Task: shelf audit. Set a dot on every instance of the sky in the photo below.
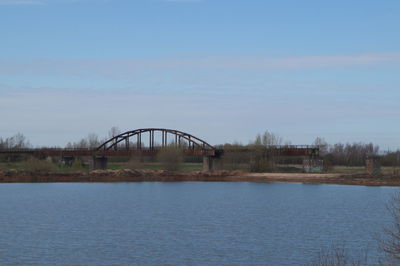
(222, 70)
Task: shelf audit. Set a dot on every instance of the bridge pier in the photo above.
(99, 163)
(211, 163)
(67, 160)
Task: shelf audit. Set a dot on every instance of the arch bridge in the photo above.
(148, 141)
(134, 142)
(145, 140)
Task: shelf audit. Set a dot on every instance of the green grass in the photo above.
(157, 166)
(237, 166)
(115, 166)
(10, 166)
(289, 169)
(66, 169)
(348, 169)
(21, 166)
(192, 167)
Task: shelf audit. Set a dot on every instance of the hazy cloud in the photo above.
(130, 67)
(21, 2)
(54, 117)
(183, 1)
(41, 2)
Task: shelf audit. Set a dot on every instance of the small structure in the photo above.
(373, 164)
(313, 165)
(99, 163)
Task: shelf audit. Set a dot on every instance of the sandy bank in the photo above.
(127, 175)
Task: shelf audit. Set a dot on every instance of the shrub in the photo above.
(235, 159)
(259, 164)
(261, 160)
(77, 164)
(134, 163)
(171, 157)
(40, 166)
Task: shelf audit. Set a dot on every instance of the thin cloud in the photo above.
(183, 1)
(22, 2)
(42, 2)
(131, 66)
(57, 127)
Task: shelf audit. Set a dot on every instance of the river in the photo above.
(186, 223)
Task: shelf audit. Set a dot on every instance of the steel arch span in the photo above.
(179, 138)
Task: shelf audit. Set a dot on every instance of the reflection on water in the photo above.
(185, 223)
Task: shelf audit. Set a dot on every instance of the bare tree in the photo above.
(82, 144)
(114, 131)
(69, 145)
(322, 144)
(93, 141)
(271, 139)
(390, 244)
(268, 139)
(18, 141)
(258, 140)
(337, 255)
(261, 160)
(90, 142)
(350, 154)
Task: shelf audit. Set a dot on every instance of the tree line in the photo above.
(18, 141)
(346, 154)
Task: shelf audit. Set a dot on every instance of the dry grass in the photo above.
(39, 166)
(171, 158)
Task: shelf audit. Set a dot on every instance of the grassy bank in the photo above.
(144, 175)
(44, 166)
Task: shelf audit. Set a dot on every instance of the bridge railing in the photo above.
(59, 152)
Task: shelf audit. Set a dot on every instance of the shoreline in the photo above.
(110, 176)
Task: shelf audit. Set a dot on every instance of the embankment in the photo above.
(127, 175)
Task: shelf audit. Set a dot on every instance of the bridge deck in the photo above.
(49, 152)
(89, 152)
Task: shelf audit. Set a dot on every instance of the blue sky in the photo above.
(222, 70)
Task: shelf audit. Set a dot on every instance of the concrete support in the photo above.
(99, 163)
(211, 163)
(373, 165)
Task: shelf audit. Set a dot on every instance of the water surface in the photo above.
(185, 223)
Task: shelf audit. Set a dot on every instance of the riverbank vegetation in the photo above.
(253, 157)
